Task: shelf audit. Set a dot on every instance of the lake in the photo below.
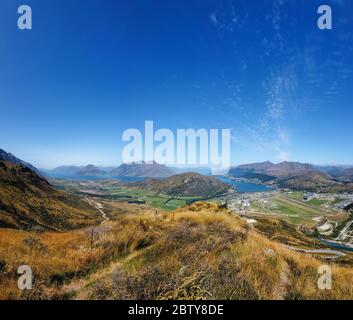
(246, 186)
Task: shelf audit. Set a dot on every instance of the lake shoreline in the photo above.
(246, 186)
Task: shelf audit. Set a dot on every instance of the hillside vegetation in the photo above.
(28, 201)
(185, 184)
(313, 181)
(197, 252)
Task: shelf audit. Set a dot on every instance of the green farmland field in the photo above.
(159, 201)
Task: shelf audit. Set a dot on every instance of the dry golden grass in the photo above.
(29, 202)
(197, 252)
(54, 257)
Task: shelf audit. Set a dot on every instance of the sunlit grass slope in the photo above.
(197, 252)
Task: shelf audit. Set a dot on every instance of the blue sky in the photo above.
(90, 69)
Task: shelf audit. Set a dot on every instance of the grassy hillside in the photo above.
(28, 201)
(185, 184)
(313, 181)
(196, 252)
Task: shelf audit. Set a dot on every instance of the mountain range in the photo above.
(286, 174)
(296, 175)
(132, 170)
(263, 171)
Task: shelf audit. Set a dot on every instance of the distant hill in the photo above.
(311, 181)
(252, 171)
(142, 170)
(286, 168)
(77, 172)
(341, 173)
(282, 169)
(28, 201)
(66, 170)
(206, 171)
(133, 170)
(91, 171)
(106, 169)
(257, 167)
(348, 175)
(186, 184)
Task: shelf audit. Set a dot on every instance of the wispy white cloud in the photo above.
(299, 76)
(213, 19)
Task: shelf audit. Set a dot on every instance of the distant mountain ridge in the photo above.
(296, 175)
(342, 173)
(91, 171)
(143, 170)
(6, 156)
(131, 170)
(281, 169)
(66, 170)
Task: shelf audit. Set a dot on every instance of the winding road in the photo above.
(99, 207)
(334, 253)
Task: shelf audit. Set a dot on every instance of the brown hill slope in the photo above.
(314, 181)
(7, 156)
(186, 184)
(28, 200)
(347, 175)
(311, 180)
